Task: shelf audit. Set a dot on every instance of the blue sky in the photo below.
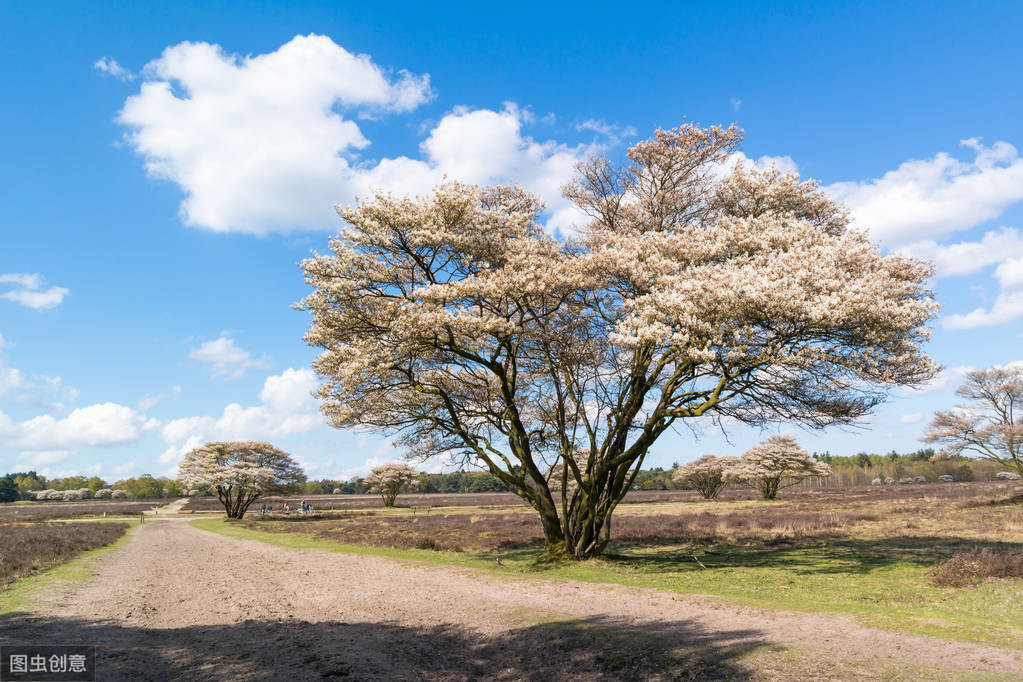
(165, 168)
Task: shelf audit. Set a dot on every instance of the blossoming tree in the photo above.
(991, 425)
(776, 463)
(239, 472)
(457, 323)
(391, 479)
(707, 475)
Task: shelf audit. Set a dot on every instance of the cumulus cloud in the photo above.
(968, 257)
(99, 425)
(931, 199)
(1007, 307)
(261, 143)
(110, 67)
(28, 291)
(286, 407)
(226, 359)
(270, 143)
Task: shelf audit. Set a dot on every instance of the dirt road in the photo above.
(177, 602)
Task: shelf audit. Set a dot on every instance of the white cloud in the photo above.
(910, 418)
(965, 258)
(110, 67)
(1010, 273)
(265, 144)
(931, 199)
(260, 144)
(1007, 307)
(29, 292)
(614, 133)
(226, 359)
(286, 407)
(99, 425)
(736, 103)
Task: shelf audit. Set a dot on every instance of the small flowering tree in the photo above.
(707, 475)
(456, 322)
(990, 426)
(239, 472)
(391, 479)
(776, 463)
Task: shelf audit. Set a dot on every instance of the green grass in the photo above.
(881, 582)
(20, 594)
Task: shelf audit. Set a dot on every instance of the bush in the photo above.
(118, 494)
(905, 481)
(970, 568)
(919, 479)
(55, 494)
(877, 481)
(103, 494)
(947, 478)
(1007, 476)
(71, 495)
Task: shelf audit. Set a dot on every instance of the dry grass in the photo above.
(27, 548)
(657, 519)
(975, 566)
(42, 511)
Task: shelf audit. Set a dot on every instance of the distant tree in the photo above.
(706, 475)
(990, 424)
(457, 322)
(239, 472)
(8, 490)
(391, 479)
(776, 463)
(863, 460)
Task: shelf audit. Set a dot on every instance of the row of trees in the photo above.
(25, 485)
(776, 463)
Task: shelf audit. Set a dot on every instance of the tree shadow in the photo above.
(811, 556)
(587, 649)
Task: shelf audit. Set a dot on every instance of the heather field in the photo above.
(29, 548)
(43, 511)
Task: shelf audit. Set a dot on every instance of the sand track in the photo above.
(178, 602)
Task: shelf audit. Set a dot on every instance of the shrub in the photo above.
(1007, 476)
(71, 495)
(55, 494)
(336, 491)
(947, 478)
(969, 568)
(103, 494)
(919, 479)
(877, 481)
(905, 481)
(118, 494)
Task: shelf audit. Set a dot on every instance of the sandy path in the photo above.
(178, 602)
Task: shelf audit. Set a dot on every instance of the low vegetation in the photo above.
(977, 565)
(32, 511)
(28, 548)
(872, 552)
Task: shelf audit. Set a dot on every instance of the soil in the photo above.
(176, 602)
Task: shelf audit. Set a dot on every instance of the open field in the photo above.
(42, 511)
(29, 548)
(163, 605)
(867, 552)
